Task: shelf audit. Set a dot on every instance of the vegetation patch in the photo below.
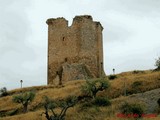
(101, 101)
(3, 92)
(112, 77)
(157, 64)
(138, 71)
(13, 112)
(24, 99)
(50, 105)
(135, 108)
(92, 87)
(86, 107)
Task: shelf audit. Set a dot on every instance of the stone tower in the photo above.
(74, 52)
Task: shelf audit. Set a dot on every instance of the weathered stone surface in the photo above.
(75, 71)
(74, 50)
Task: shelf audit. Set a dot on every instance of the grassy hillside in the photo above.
(135, 82)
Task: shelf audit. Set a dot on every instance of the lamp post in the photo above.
(21, 81)
(113, 71)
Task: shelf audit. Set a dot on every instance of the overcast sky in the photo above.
(131, 35)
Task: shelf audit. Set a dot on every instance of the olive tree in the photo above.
(50, 106)
(92, 87)
(24, 99)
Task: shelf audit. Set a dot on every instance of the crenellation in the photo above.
(59, 22)
(82, 18)
(99, 24)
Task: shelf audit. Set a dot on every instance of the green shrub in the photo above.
(132, 108)
(85, 105)
(157, 64)
(102, 101)
(3, 92)
(112, 77)
(136, 84)
(137, 71)
(13, 112)
(136, 87)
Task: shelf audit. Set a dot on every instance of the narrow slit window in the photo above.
(63, 38)
(65, 59)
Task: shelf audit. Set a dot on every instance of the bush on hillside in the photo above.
(102, 101)
(136, 87)
(157, 64)
(112, 77)
(137, 71)
(137, 109)
(85, 105)
(3, 92)
(13, 112)
(136, 84)
(94, 103)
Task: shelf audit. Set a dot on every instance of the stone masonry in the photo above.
(74, 52)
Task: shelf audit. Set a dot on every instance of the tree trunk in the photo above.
(25, 105)
(94, 94)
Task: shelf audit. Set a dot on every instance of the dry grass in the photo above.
(59, 92)
(28, 116)
(150, 80)
(101, 113)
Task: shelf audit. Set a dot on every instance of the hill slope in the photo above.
(136, 82)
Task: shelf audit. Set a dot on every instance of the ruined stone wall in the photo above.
(77, 49)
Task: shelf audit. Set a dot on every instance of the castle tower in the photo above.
(74, 52)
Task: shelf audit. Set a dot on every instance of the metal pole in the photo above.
(113, 71)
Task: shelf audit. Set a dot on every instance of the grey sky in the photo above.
(131, 35)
